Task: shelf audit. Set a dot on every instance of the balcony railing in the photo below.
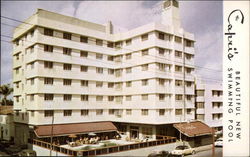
(100, 151)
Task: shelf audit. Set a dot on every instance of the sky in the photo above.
(202, 18)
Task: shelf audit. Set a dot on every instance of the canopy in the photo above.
(192, 129)
(74, 128)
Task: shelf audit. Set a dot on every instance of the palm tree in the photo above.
(5, 90)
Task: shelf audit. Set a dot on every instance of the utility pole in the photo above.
(51, 137)
(213, 149)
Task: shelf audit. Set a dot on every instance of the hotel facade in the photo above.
(209, 104)
(69, 71)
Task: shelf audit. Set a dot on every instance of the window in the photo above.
(200, 92)
(111, 111)
(84, 68)
(67, 112)
(32, 32)
(144, 96)
(177, 39)
(99, 56)
(128, 42)
(162, 112)
(17, 70)
(67, 97)
(32, 64)
(178, 97)
(129, 111)
(200, 116)
(188, 70)
(67, 51)
(48, 97)
(144, 37)
(67, 36)
(110, 58)
(128, 84)
(31, 49)
(217, 104)
(111, 98)
(99, 70)
(99, 84)
(99, 42)
(178, 83)
(48, 64)
(111, 71)
(200, 105)
(161, 36)
(178, 112)
(67, 82)
(32, 113)
(32, 81)
(110, 85)
(48, 113)
(217, 93)
(162, 67)
(161, 51)
(17, 85)
(147, 131)
(144, 67)
(84, 83)
(110, 44)
(188, 56)
(161, 82)
(189, 97)
(144, 82)
(48, 81)
(83, 54)
(48, 48)
(128, 98)
(84, 112)
(161, 96)
(189, 111)
(17, 99)
(144, 112)
(178, 68)
(188, 43)
(144, 52)
(67, 66)
(128, 70)
(84, 39)
(84, 98)
(17, 56)
(48, 32)
(128, 56)
(32, 97)
(188, 83)
(178, 54)
(99, 112)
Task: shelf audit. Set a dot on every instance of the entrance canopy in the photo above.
(75, 128)
(192, 129)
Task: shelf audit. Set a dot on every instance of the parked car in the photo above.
(27, 152)
(183, 150)
(12, 150)
(159, 153)
(218, 142)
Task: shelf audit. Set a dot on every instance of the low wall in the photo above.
(144, 151)
(40, 151)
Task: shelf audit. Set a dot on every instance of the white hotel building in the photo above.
(70, 71)
(209, 104)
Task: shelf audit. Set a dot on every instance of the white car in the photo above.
(218, 142)
(183, 150)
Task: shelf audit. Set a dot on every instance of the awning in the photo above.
(192, 129)
(75, 128)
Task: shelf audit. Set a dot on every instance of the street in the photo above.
(208, 153)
